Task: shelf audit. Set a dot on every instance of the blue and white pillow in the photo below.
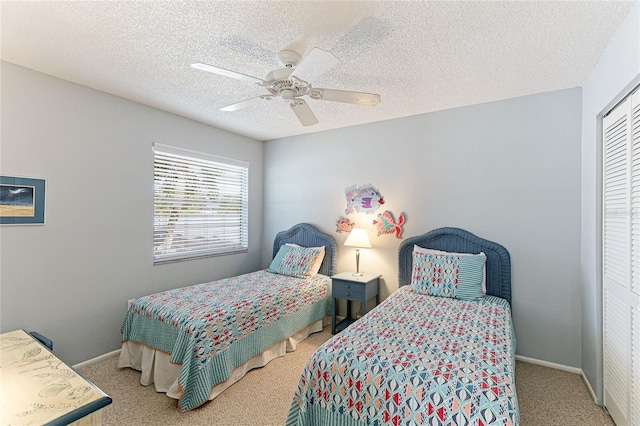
(317, 263)
(448, 275)
(277, 260)
(294, 261)
(418, 249)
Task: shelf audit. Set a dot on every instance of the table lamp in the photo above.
(358, 238)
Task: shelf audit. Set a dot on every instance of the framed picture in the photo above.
(21, 201)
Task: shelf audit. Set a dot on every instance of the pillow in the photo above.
(317, 263)
(277, 260)
(419, 249)
(448, 275)
(296, 262)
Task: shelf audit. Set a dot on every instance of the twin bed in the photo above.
(439, 351)
(196, 341)
(432, 353)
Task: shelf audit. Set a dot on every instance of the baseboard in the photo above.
(574, 370)
(589, 388)
(97, 359)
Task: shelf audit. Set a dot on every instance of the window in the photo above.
(200, 204)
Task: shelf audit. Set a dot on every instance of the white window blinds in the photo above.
(200, 204)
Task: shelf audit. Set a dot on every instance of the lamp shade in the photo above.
(358, 238)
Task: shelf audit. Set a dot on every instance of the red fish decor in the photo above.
(364, 199)
(344, 225)
(386, 224)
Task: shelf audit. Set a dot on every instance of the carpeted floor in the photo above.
(546, 396)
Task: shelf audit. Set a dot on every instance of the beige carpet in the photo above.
(262, 397)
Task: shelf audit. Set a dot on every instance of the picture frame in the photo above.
(21, 201)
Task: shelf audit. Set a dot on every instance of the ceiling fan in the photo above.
(294, 81)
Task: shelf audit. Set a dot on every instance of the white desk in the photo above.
(37, 388)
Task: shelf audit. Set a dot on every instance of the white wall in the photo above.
(617, 71)
(507, 171)
(70, 279)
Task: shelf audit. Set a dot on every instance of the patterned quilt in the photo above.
(415, 360)
(209, 329)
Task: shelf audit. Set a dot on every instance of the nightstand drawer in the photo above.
(347, 290)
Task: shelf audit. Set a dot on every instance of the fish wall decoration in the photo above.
(344, 224)
(364, 199)
(386, 224)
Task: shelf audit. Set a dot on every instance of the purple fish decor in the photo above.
(344, 224)
(386, 224)
(364, 199)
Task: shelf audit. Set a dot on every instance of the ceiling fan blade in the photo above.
(316, 63)
(244, 104)
(304, 113)
(227, 73)
(358, 98)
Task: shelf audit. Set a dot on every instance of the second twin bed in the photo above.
(438, 351)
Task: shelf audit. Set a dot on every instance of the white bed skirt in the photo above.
(158, 370)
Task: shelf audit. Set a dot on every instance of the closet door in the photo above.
(634, 294)
(621, 261)
(616, 240)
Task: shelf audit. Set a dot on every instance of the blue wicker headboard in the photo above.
(460, 241)
(307, 235)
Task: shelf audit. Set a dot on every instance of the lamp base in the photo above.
(357, 273)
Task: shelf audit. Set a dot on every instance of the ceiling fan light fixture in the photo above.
(288, 94)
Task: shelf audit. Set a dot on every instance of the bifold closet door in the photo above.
(634, 293)
(621, 261)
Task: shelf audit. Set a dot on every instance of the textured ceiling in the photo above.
(419, 56)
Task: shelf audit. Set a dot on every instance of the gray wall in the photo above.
(70, 279)
(617, 71)
(507, 171)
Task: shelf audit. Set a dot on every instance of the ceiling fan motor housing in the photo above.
(281, 84)
(281, 74)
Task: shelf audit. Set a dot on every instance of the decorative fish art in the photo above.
(386, 224)
(344, 225)
(365, 199)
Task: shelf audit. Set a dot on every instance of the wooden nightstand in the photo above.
(353, 288)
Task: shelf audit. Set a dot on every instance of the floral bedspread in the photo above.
(212, 328)
(415, 360)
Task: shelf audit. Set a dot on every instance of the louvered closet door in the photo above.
(621, 261)
(616, 256)
(634, 294)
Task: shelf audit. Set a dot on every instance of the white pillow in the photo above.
(418, 249)
(317, 263)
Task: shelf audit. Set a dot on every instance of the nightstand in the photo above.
(353, 288)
